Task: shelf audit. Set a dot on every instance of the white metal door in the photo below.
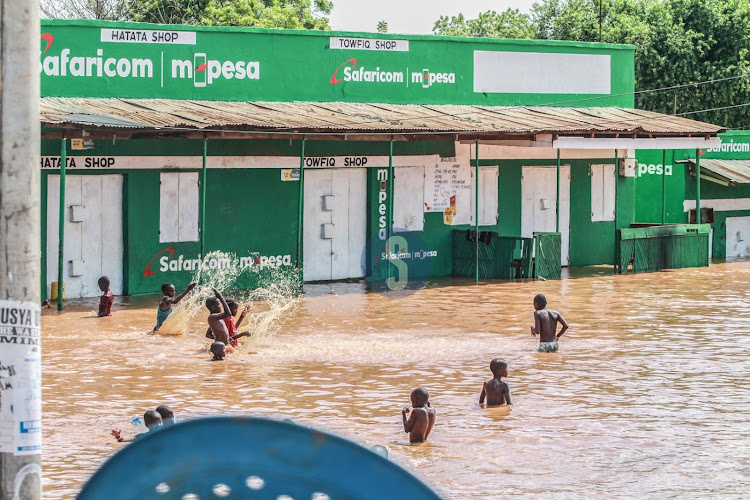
(538, 210)
(93, 233)
(738, 237)
(335, 223)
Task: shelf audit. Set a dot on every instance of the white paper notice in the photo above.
(20, 378)
(448, 186)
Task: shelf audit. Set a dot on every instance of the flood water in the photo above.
(648, 396)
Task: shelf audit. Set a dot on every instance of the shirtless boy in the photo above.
(494, 389)
(422, 416)
(219, 310)
(545, 325)
(231, 325)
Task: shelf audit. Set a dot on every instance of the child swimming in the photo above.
(219, 350)
(151, 418)
(167, 301)
(422, 418)
(545, 325)
(495, 389)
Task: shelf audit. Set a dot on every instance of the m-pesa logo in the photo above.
(204, 71)
(349, 72)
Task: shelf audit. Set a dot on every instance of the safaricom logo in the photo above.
(91, 66)
(348, 72)
(204, 71)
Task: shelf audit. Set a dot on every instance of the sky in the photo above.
(411, 16)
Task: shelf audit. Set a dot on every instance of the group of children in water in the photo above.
(223, 330)
(495, 391)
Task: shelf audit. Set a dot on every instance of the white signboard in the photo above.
(20, 378)
(91, 163)
(148, 36)
(448, 186)
(348, 43)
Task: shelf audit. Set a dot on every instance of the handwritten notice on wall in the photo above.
(447, 187)
(20, 378)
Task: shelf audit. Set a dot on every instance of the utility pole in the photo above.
(20, 356)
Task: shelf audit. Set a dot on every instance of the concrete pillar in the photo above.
(20, 366)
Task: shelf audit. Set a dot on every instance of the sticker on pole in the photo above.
(20, 378)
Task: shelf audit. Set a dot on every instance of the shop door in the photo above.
(93, 244)
(335, 223)
(539, 193)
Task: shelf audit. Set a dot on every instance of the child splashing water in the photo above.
(274, 298)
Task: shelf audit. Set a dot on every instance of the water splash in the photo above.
(274, 297)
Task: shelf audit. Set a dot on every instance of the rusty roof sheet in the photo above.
(732, 171)
(343, 117)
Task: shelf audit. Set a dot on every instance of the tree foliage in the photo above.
(509, 24)
(290, 14)
(113, 10)
(676, 42)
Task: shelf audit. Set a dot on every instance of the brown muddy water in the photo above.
(647, 398)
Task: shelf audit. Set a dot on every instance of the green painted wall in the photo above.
(81, 59)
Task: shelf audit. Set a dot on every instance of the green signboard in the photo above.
(104, 59)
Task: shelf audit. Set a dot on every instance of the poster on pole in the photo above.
(20, 378)
(447, 189)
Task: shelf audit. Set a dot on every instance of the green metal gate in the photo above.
(500, 257)
(548, 255)
(672, 246)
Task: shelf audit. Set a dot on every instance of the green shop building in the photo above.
(721, 195)
(345, 155)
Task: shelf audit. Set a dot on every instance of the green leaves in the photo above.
(676, 42)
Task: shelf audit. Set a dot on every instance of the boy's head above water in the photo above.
(166, 413)
(540, 302)
(213, 305)
(233, 307)
(152, 418)
(419, 397)
(219, 350)
(168, 289)
(498, 367)
(103, 283)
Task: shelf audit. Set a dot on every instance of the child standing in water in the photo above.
(105, 303)
(422, 416)
(219, 310)
(151, 418)
(495, 389)
(545, 325)
(165, 306)
(231, 326)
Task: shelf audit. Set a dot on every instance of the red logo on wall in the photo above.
(334, 78)
(47, 37)
(148, 272)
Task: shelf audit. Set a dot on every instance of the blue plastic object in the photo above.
(249, 458)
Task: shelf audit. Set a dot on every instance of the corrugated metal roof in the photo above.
(338, 117)
(734, 171)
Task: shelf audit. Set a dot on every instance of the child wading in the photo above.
(545, 325)
(494, 389)
(422, 416)
(105, 303)
(231, 325)
(165, 306)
